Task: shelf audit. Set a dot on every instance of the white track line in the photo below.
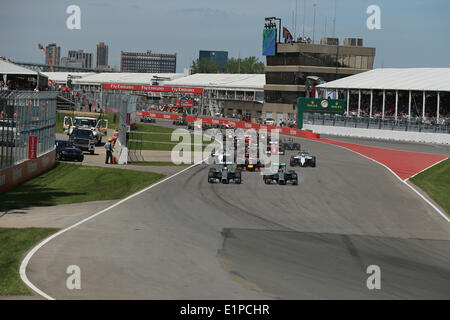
(443, 214)
(26, 260)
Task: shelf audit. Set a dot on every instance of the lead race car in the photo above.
(282, 177)
(224, 175)
(303, 159)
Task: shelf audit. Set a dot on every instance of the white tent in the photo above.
(11, 68)
(409, 79)
(222, 81)
(416, 79)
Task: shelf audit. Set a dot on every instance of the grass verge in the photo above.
(13, 245)
(146, 127)
(436, 183)
(69, 183)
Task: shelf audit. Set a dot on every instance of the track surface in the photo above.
(187, 239)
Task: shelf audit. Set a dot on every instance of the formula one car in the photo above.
(147, 119)
(282, 177)
(274, 147)
(224, 175)
(222, 156)
(180, 122)
(289, 144)
(303, 159)
(252, 165)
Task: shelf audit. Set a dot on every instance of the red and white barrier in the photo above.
(238, 124)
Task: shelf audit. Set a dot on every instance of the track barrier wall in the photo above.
(13, 176)
(239, 124)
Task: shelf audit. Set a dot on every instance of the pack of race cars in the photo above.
(226, 172)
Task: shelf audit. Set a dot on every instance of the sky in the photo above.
(414, 33)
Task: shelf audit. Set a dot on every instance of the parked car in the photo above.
(66, 150)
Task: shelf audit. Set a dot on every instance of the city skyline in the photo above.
(234, 26)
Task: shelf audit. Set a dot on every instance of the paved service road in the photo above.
(188, 239)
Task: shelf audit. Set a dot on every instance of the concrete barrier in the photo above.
(120, 152)
(407, 136)
(15, 175)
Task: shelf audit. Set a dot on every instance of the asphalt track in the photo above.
(187, 239)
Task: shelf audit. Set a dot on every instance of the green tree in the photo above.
(205, 66)
(247, 65)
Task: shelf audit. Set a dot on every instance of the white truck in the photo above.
(99, 127)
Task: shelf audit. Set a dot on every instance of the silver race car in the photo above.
(303, 159)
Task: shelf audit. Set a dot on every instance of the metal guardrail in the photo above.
(24, 114)
(388, 123)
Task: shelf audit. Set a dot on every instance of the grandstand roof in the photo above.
(222, 80)
(62, 76)
(126, 78)
(416, 79)
(11, 68)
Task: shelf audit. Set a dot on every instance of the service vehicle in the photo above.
(66, 150)
(99, 127)
(83, 139)
(303, 159)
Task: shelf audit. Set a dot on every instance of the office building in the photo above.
(290, 70)
(148, 62)
(85, 57)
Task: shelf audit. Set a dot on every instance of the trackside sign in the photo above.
(313, 105)
(139, 87)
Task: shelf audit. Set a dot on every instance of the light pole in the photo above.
(314, 21)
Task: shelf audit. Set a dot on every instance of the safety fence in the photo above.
(27, 125)
(388, 123)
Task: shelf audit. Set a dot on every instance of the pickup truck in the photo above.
(83, 139)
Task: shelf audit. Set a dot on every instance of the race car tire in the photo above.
(266, 181)
(313, 162)
(238, 181)
(281, 182)
(295, 182)
(91, 152)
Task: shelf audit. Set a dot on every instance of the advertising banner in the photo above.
(139, 87)
(314, 105)
(32, 147)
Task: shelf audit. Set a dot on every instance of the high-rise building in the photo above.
(219, 57)
(102, 55)
(148, 62)
(54, 54)
(84, 56)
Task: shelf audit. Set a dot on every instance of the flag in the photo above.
(287, 35)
